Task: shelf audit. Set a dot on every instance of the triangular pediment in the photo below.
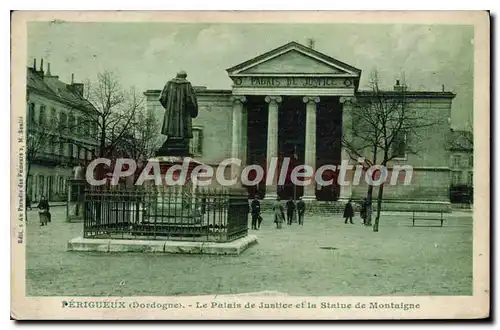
(293, 62)
(293, 59)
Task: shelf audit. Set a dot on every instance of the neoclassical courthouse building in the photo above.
(296, 102)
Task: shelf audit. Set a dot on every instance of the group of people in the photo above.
(300, 207)
(349, 211)
(279, 212)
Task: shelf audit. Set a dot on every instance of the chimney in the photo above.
(72, 78)
(48, 75)
(77, 88)
(41, 67)
(34, 64)
(310, 43)
(398, 87)
(442, 88)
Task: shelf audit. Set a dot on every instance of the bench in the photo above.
(437, 217)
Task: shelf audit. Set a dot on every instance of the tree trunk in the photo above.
(102, 139)
(369, 194)
(379, 206)
(369, 197)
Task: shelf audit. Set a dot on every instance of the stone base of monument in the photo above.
(235, 247)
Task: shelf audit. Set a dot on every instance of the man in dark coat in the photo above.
(364, 209)
(348, 211)
(180, 103)
(255, 209)
(290, 210)
(301, 209)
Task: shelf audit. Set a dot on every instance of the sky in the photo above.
(146, 55)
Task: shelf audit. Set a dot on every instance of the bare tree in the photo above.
(109, 117)
(382, 125)
(115, 111)
(143, 137)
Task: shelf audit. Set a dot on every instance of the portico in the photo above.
(289, 103)
(297, 104)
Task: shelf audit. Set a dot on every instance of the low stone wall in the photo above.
(236, 247)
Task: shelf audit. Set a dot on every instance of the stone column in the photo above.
(310, 150)
(272, 145)
(244, 137)
(237, 146)
(346, 191)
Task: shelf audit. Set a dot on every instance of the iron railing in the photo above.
(165, 213)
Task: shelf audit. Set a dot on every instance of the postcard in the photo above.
(250, 165)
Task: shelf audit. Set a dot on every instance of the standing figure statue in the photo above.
(179, 100)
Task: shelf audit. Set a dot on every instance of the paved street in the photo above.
(324, 257)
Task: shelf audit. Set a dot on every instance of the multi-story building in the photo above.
(59, 137)
(461, 158)
(296, 102)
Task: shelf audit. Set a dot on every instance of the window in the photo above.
(471, 161)
(86, 130)
(196, 143)
(42, 120)
(30, 185)
(50, 187)
(53, 117)
(455, 161)
(79, 127)
(465, 162)
(471, 178)
(51, 144)
(71, 123)
(61, 185)
(455, 177)
(63, 121)
(399, 145)
(31, 114)
(41, 186)
(70, 150)
(61, 149)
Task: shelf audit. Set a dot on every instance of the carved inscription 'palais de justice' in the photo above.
(325, 82)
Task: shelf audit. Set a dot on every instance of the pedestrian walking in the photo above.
(301, 209)
(43, 211)
(290, 210)
(279, 213)
(364, 208)
(255, 209)
(349, 212)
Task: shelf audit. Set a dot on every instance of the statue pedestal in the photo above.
(174, 148)
(187, 206)
(177, 203)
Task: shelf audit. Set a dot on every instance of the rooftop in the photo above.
(461, 140)
(51, 86)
